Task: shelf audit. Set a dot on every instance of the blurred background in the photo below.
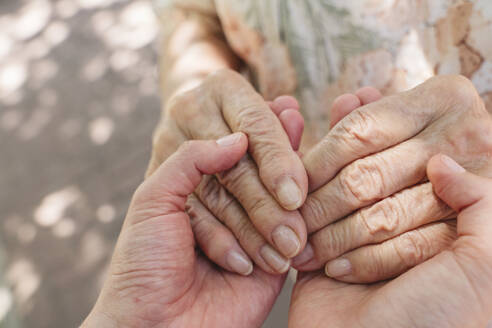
(78, 104)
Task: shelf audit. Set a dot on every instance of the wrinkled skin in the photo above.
(156, 279)
(241, 204)
(450, 290)
(370, 203)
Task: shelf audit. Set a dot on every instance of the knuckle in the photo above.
(183, 109)
(476, 131)
(459, 89)
(376, 266)
(412, 248)
(200, 227)
(314, 212)
(256, 121)
(226, 210)
(198, 220)
(372, 264)
(328, 244)
(245, 232)
(382, 219)
(259, 204)
(215, 197)
(177, 103)
(235, 178)
(364, 180)
(380, 265)
(359, 131)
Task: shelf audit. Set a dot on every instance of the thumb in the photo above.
(157, 220)
(165, 191)
(466, 193)
(470, 196)
(154, 257)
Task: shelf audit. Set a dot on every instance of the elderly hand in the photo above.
(156, 278)
(371, 213)
(452, 289)
(253, 205)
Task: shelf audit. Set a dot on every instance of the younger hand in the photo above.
(156, 278)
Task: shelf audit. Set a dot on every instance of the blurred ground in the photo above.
(78, 103)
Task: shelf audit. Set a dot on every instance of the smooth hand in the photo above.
(371, 213)
(156, 278)
(452, 289)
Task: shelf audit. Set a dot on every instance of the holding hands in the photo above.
(156, 279)
(251, 208)
(370, 214)
(450, 290)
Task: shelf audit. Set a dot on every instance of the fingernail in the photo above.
(286, 241)
(239, 263)
(276, 261)
(289, 194)
(338, 268)
(229, 140)
(304, 257)
(451, 164)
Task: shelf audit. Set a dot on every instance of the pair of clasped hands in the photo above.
(385, 230)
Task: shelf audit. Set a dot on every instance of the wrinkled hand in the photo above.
(452, 289)
(252, 207)
(371, 213)
(155, 278)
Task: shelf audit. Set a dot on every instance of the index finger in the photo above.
(280, 168)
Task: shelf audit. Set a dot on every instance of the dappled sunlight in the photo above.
(6, 45)
(42, 72)
(26, 233)
(56, 33)
(92, 250)
(100, 130)
(17, 226)
(122, 59)
(122, 105)
(134, 28)
(5, 302)
(78, 103)
(30, 36)
(70, 128)
(95, 68)
(11, 119)
(35, 124)
(36, 49)
(48, 98)
(22, 275)
(106, 213)
(66, 8)
(93, 4)
(54, 205)
(64, 228)
(31, 19)
(12, 77)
